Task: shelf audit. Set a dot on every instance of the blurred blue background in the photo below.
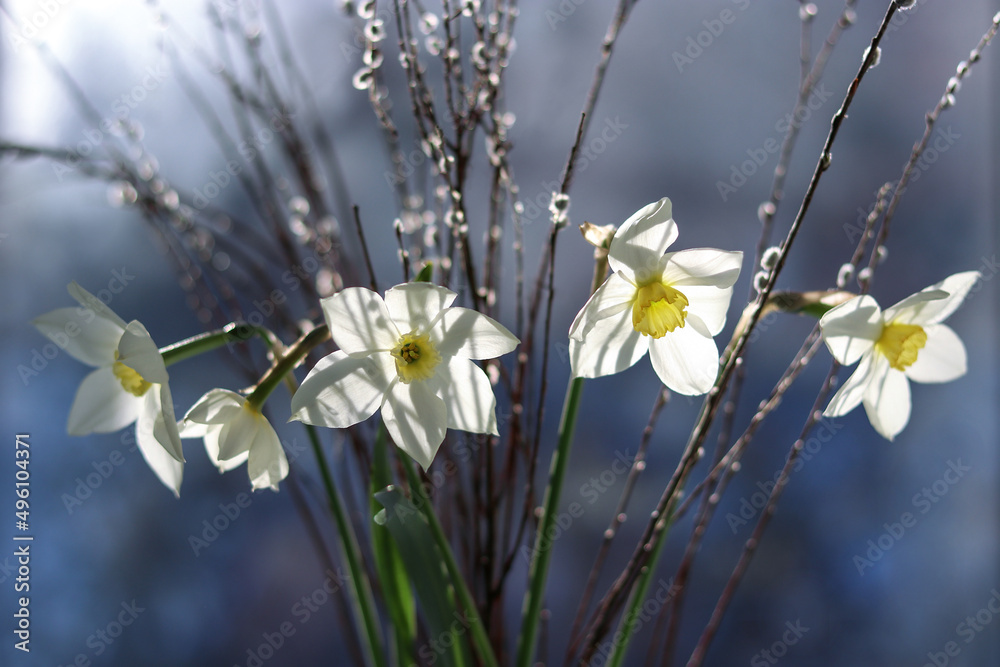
(676, 128)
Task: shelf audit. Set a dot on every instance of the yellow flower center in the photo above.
(416, 357)
(900, 344)
(658, 309)
(131, 381)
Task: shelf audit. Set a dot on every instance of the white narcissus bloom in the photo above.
(671, 305)
(409, 355)
(234, 432)
(905, 342)
(129, 385)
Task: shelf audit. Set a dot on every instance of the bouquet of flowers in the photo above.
(421, 357)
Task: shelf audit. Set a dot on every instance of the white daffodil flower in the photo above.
(905, 342)
(409, 355)
(234, 432)
(671, 305)
(129, 385)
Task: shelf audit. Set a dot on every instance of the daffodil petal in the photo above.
(359, 321)
(101, 405)
(267, 464)
(216, 407)
(468, 397)
(908, 310)
(167, 469)
(942, 359)
(851, 329)
(89, 339)
(211, 435)
(640, 242)
(416, 419)
(887, 401)
(413, 306)
(702, 266)
(611, 346)
(165, 423)
(237, 435)
(341, 391)
(159, 446)
(613, 297)
(686, 360)
(923, 311)
(137, 350)
(852, 391)
(188, 429)
(709, 304)
(150, 427)
(92, 303)
(467, 333)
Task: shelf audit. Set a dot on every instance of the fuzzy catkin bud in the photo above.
(770, 257)
(846, 273)
(760, 280)
(558, 207)
(765, 211)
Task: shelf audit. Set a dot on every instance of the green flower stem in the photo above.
(284, 364)
(361, 589)
(234, 332)
(538, 572)
(634, 606)
(480, 638)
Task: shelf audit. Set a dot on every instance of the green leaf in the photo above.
(362, 600)
(425, 566)
(396, 590)
(480, 639)
(425, 273)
